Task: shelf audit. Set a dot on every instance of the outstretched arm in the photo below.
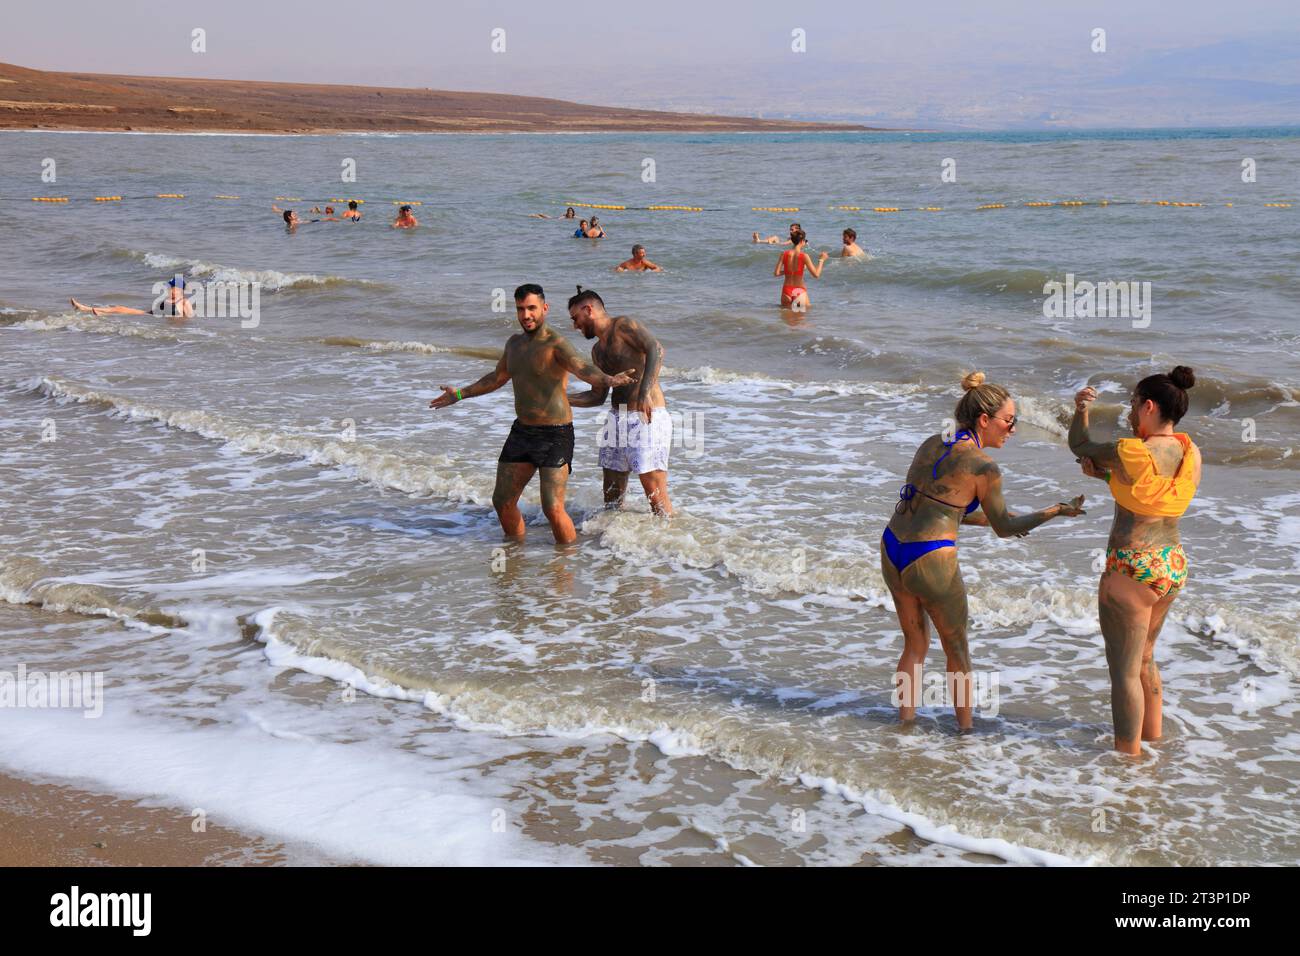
(488, 383)
(1105, 455)
(1003, 522)
(594, 397)
(816, 270)
(569, 360)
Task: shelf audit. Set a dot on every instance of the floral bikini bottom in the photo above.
(1161, 569)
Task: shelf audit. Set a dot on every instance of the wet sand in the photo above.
(47, 824)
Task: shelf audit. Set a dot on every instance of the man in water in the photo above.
(851, 248)
(405, 220)
(538, 361)
(638, 262)
(638, 432)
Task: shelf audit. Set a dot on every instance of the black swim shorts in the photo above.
(546, 446)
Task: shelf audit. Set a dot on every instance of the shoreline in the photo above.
(46, 822)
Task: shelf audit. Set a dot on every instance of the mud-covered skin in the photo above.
(932, 587)
(630, 346)
(1131, 613)
(626, 344)
(538, 361)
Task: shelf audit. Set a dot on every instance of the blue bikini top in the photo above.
(910, 491)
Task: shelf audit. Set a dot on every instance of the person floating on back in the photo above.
(537, 361)
(173, 305)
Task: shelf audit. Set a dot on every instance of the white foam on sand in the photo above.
(276, 773)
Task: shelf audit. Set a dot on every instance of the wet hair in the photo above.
(404, 209)
(329, 210)
(288, 215)
(853, 236)
(352, 204)
(527, 289)
(636, 247)
(585, 295)
(1168, 391)
(569, 213)
(797, 236)
(794, 226)
(981, 398)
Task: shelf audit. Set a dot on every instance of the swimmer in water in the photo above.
(173, 305)
(291, 220)
(851, 248)
(581, 231)
(352, 212)
(773, 240)
(638, 262)
(791, 265)
(537, 361)
(405, 220)
(595, 230)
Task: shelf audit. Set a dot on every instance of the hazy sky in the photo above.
(938, 63)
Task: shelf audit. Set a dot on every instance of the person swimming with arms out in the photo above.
(638, 262)
(537, 361)
(1153, 478)
(405, 219)
(947, 482)
(791, 264)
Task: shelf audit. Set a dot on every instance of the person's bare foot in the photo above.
(79, 307)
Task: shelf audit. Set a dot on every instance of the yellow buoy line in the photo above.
(666, 207)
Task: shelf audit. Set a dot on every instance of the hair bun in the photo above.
(1183, 377)
(973, 380)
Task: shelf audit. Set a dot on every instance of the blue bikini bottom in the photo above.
(902, 554)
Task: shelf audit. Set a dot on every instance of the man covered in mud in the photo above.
(538, 361)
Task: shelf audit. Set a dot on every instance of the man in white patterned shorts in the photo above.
(638, 432)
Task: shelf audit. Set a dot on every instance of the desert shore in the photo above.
(37, 99)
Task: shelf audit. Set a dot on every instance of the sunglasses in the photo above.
(1011, 422)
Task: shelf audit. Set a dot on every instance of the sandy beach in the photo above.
(47, 824)
(38, 99)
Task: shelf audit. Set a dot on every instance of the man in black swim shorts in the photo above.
(538, 361)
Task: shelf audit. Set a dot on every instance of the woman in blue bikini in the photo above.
(947, 482)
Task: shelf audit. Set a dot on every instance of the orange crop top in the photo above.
(1151, 494)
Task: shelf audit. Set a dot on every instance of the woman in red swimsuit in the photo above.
(791, 265)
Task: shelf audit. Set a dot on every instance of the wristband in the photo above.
(459, 396)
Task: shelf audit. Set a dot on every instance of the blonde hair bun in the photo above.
(973, 380)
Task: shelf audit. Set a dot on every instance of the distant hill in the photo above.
(37, 99)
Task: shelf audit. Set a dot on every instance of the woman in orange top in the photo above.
(1153, 478)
